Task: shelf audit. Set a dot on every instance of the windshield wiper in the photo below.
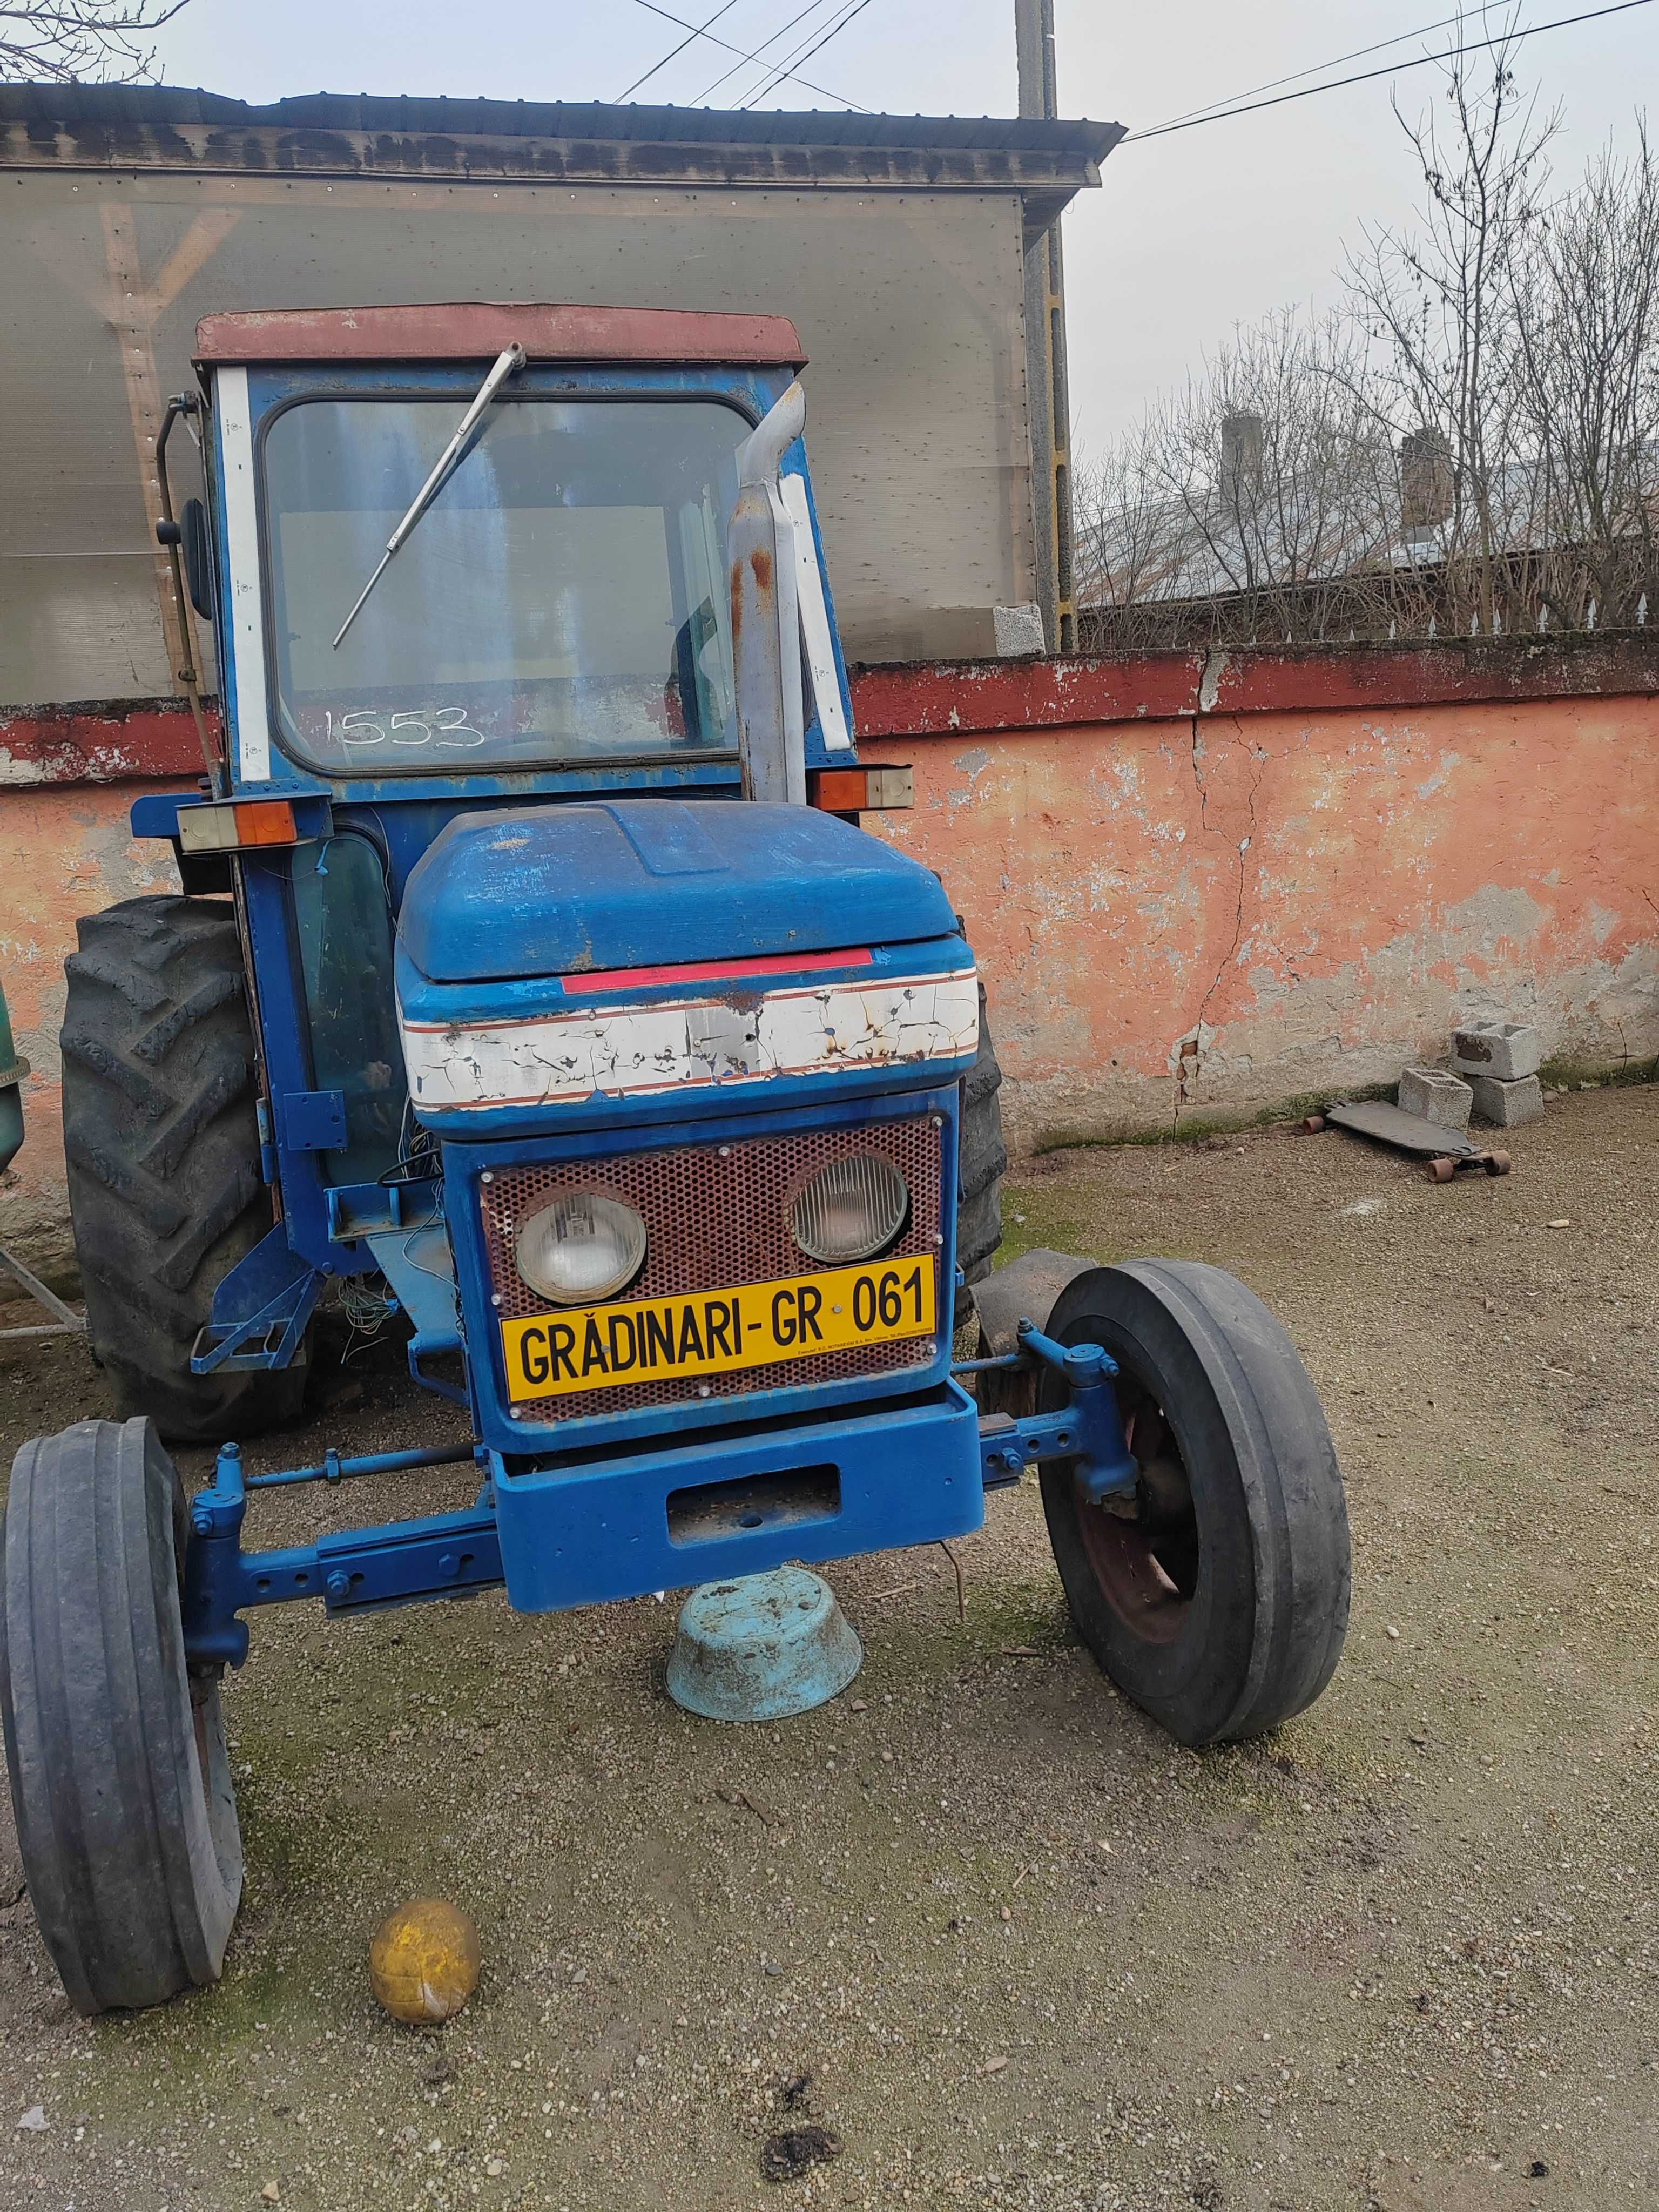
(507, 363)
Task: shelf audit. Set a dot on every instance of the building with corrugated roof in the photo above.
(897, 245)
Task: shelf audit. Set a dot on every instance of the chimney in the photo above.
(1428, 482)
(1241, 455)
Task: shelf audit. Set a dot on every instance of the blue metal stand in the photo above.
(453, 1554)
(1087, 1430)
(443, 1555)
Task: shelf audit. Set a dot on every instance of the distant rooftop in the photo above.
(161, 105)
(103, 126)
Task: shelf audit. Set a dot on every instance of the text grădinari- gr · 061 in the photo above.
(714, 1332)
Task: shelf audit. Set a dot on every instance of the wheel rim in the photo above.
(1147, 1567)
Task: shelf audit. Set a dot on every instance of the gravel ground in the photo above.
(979, 1917)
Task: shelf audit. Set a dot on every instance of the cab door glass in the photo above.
(343, 920)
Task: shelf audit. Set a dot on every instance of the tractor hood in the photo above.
(570, 967)
(557, 890)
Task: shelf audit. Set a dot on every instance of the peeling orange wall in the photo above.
(1178, 913)
(1223, 912)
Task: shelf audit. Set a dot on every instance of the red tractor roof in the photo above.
(479, 329)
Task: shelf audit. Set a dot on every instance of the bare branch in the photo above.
(1474, 445)
(81, 41)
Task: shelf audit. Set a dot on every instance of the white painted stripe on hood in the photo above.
(623, 1051)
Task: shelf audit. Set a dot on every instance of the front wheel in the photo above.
(1216, 1596)
(120, 1777)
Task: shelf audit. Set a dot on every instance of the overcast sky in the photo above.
(1190, 234)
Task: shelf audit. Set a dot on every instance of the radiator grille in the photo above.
(717, 1217)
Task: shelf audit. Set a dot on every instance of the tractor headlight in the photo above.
(850, 1209)
(582, 1248)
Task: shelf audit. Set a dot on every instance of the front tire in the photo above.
(163, 1152)
(1218, 1597)
(120, 1777)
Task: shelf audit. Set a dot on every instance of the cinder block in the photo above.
(1507, 1104)
(1508, 1050)
(1444, 1099)
(1018, 631)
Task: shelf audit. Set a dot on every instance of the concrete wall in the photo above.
(907, 303)
(1202, 887)
(1198, 887)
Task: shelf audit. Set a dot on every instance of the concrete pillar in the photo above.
(1048, 402)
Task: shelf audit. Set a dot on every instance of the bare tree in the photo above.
(1122, 541)
(1440, 305)
(1585, 312)
(1266, 474)
(79, 41)
(1472, 445)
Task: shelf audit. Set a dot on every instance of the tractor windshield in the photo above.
(564, 597)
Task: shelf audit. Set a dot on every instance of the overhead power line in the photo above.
(725, 9)
(1318, 69)
(1365, 76)
(813, 46)
(743, 54)
(726, 75)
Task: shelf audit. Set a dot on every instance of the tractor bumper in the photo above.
(737, 1503)
(734, 1502)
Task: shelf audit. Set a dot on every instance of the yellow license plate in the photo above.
(717, 1332)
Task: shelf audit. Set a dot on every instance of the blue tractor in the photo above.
(531, 971)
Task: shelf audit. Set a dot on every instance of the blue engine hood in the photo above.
(634, 882)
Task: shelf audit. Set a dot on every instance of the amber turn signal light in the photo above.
(236, 824)
(860, 790)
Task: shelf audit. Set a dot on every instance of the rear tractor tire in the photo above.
(1216, 1596)
(163, 1151)
(120, 1777)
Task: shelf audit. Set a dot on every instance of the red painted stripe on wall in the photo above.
(90, 742)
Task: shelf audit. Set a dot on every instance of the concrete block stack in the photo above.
(1493, 1076)
(1500, 1061)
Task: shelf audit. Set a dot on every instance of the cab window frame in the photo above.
(457, 767)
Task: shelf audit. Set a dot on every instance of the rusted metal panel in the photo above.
(478, 330)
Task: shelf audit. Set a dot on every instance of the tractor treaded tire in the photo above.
(1270, 1609)
(163, 1151)
(120, 1777)
(983, 1160)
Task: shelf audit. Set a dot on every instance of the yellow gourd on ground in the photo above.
(423, 1961)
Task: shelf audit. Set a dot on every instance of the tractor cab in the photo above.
(533, 978)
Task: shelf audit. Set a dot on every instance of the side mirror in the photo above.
(198, 558)
(190, 535)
